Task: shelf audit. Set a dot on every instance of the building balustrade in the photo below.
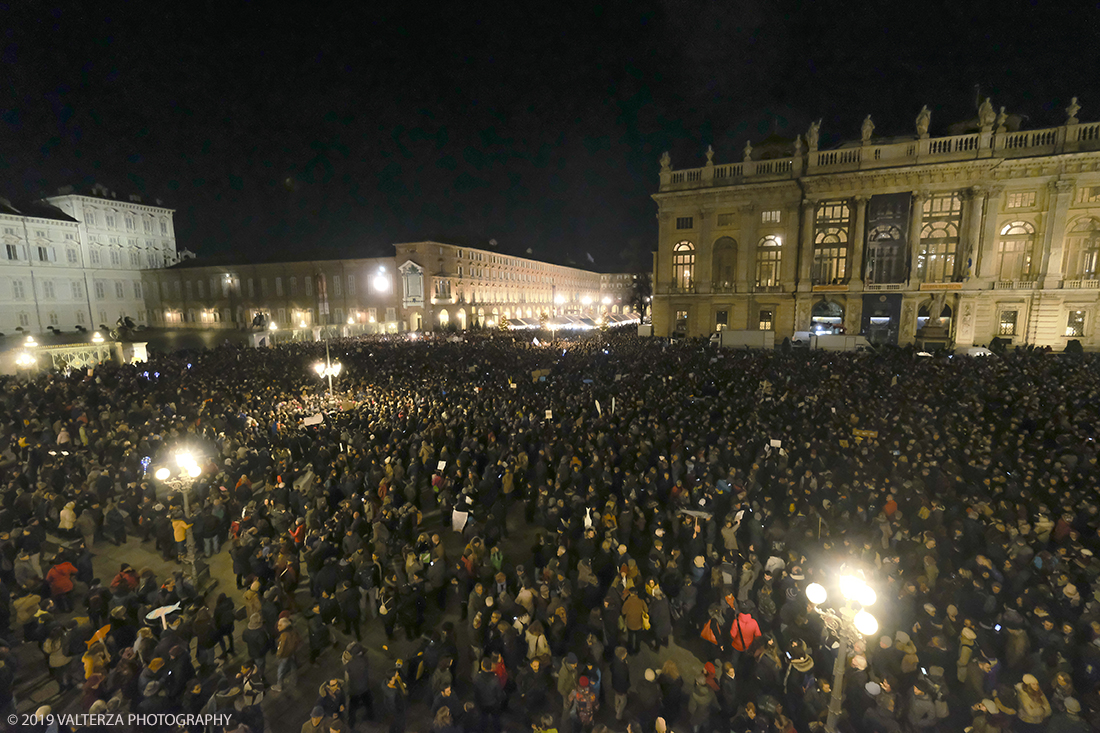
(1081, 284)
(1025, 143)
(1014, 285)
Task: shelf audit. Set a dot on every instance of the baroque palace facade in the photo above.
(998, 230)
(424, 285)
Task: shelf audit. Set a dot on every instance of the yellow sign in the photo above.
(865, 433)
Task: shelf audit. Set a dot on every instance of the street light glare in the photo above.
(851, 587)
(867, 596)
(193, 470)
(382, 283)
(184, 459)
(865, 623)
(319, 367)
(816, 593)
(162, 474)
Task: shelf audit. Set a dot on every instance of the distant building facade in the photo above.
(75, 259)
(999, 230)
(424, 286)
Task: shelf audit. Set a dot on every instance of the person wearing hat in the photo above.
(701, 704)
(257, 641)
(567, 683)
(357, 681)
(1032, 706)
(315, 723)
(584, 704)
(1069, 720)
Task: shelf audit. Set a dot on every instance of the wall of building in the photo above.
(1001, 228)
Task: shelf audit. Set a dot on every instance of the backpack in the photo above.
(765, 604)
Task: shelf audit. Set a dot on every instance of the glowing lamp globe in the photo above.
(162, 474)
(866, 596)
(865, 623)
(816, 593)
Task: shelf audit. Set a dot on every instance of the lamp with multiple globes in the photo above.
(182, 482)
(849, 625)
(328, 368)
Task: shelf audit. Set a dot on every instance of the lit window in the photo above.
(1008, 323)
(1075, 324)
(1014, 251)
(770, 217)
(683, 265)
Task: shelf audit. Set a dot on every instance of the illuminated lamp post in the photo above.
(182, 482)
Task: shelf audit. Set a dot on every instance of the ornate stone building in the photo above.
(996, 229)
(75, 259)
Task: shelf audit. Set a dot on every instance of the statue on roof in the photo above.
(666, 162)
(813, 134)
(924, 117)
(986, 115)
(748, 151)
(710, 155)
(999, 123)
(1071, 112)
(867, 128)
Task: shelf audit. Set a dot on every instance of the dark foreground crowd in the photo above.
(634, 498)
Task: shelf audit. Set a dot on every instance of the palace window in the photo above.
(1008, 323)
(47, 290)
(1075, 324)
(683, 265)
(721, 320)
(939, 238)
(724, 258)
(685, 222)
(727, 219)
(71, 256)
(278, 286)
(770, 217)
(766, 319)
(830, 262)
(119, 292)
(1014, 251)
(1082, 248)
(18, 291)
(769, 257)
(1088, 195)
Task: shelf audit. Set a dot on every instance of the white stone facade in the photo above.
(999, 228)
(76, 260)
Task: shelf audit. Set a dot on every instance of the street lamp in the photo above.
(97, 338)
(273, 326)
(850, 624)
(182, 482)
(328, 368)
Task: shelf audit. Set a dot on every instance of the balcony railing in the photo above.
(1081, 284)
(985, 144)
(883, 287)
(1014, 285)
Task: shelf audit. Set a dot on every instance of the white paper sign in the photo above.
(549, 414)
(314, 419)
(458, 520)
(441, 465)
(598, 408)
(776, 443)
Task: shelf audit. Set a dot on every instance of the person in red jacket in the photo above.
(744, 630)
(60, 580)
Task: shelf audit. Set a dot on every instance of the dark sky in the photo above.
(340, 128)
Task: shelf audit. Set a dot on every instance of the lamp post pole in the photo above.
(849, 626)
(183, 482)
(328, 370)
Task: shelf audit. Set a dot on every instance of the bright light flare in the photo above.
(866, 624)
(816, 593)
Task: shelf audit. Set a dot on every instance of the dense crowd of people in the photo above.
(526, 521)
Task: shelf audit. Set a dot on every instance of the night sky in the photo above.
(336, 129)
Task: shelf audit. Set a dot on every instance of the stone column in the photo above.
(987, 250)
(788, 269)
(855, 249)
(745, 274)
(1054, 234)
(806, 245)
(916, 222)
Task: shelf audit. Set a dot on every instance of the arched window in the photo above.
(1082, 250)
(1014, 250)
(724, 263)
(683, 266)
(939, 242)
(769, 258)
(885, 255)
(830, 256)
